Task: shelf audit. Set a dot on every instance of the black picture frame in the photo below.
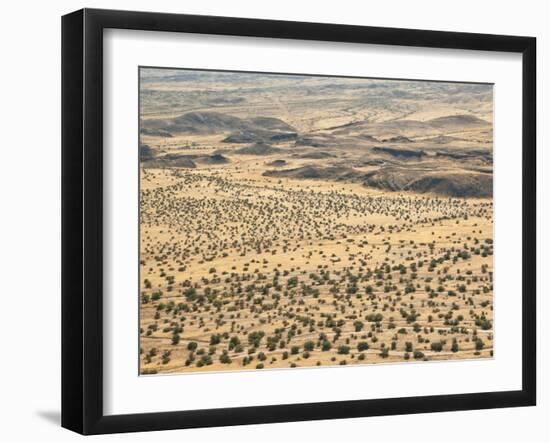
(82, 218)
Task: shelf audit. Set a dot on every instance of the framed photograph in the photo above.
(270, 221)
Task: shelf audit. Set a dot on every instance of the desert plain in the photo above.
(291, 221)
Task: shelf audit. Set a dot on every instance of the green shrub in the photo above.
(479, 344)
(374, 318)
(343, 349)
(454, 346)
(175, 339)
(225, 359)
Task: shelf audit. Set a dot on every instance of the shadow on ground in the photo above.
(54, 417)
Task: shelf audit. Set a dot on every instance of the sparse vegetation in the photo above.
(279, 233)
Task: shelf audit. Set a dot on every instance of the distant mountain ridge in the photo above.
(452, 184)
(242, 130)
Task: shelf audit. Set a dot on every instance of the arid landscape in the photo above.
(298, 221)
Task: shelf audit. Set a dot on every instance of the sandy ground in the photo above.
(238, 239)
